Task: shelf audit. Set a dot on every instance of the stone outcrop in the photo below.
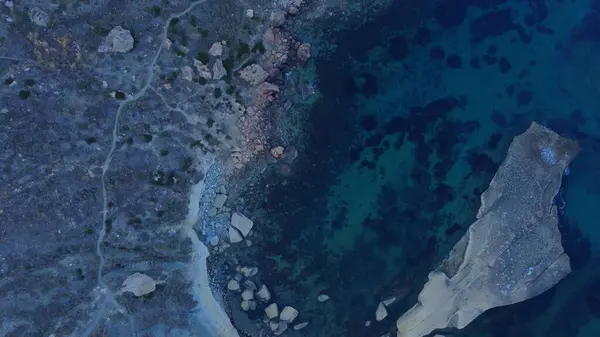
(118, 40)
(513, 251)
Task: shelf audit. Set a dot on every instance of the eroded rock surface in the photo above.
(513, 251)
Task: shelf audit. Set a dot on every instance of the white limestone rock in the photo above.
(389, 301)
(202, 70)
(242, 223)
(249, 13)
(245, 305)
(220, 200)
(233, 285)
(272, 311)
(264, 294)
(248, 271)
(288, 314)
(118, 40)
(216, 49)
(247, 295)
(254, 74)
(234, 235)
(139, 284)
(300, 326)
(381, 312)
(322, 298)
(187, 73)
(218, 70)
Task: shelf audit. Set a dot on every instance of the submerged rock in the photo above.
(513, 251)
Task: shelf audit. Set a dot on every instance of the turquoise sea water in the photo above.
(418, 107)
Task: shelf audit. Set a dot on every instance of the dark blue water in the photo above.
(418, 107)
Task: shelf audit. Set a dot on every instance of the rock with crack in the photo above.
(219, 70)
(254, 74)
(203, 70)
(513, 251)
(139, 284)
(242, 223)
(118, 40)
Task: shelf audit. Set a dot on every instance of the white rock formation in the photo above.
(218, 70)
(118, 40)
(219, 200)
(139, 284)
(233, 285)
(322, 298)
(288, 314)
(243, 224)
(381, 312)
(202, 70)
(234, 235)
(247, 295)
(263, 294)
(272, 310)
(513, 251)
(254, 74)
(187, 73)
(300, 326)
(216, 49)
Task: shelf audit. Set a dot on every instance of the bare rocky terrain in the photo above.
(119, 122)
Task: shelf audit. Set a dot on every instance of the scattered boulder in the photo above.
(272, 311)
(288, 314)
(381, 312)
(304, 52)
(277, 18)
(273, 325)
(246, 271)
(322, 298)
(263, 294)
(242, 223)
(281, 327)
(254, 74)
(218, 70)
(249, 13)
(233, 285)
(118, 40)
(216, 49)
(187, 73)
(139, 284)
(202, 70)
(300, 326)
(247, 295)
(234, 235)
(249, 284)
(389, 301)
(245, 305)
(219, 200)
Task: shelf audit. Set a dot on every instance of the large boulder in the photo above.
(513, 251)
